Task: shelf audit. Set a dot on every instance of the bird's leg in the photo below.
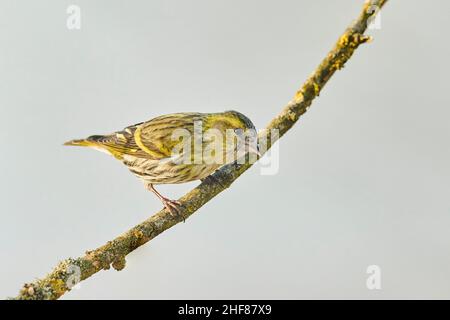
(171, 205)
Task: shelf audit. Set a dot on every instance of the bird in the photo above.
(153, 152)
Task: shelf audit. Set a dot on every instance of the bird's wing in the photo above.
(159, 136)
(153, 139)
(119, 143)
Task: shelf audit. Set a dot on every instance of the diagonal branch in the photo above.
(113, 253)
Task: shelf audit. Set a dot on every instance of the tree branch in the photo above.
(113, 253)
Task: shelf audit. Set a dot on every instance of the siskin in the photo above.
(151, 150)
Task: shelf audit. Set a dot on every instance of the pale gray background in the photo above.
(364, 176)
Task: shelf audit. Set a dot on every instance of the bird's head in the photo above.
(239, 121)
(240, 124)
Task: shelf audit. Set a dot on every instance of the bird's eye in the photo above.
(239, 132)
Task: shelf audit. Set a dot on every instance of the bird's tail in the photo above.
(79, 143)
(91, 141)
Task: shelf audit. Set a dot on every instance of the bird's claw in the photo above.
(173, 206)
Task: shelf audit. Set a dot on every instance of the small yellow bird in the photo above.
(153, 152)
